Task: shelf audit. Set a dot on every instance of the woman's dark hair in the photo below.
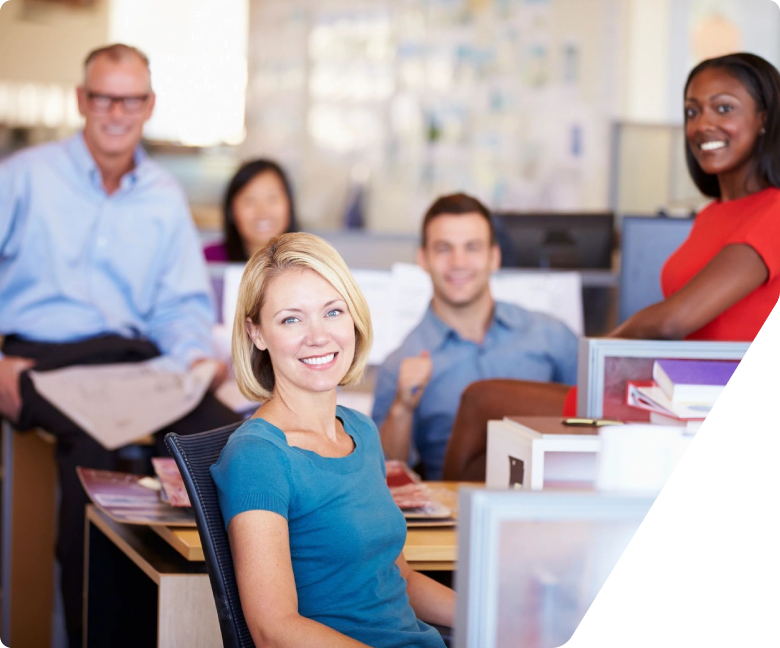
(248, 172)
(762, 81)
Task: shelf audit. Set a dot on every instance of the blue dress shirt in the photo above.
(76, 262)
(518, 344)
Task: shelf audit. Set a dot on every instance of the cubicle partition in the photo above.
(646, 242)
(606, 365)
(28, 483)
(531, 563)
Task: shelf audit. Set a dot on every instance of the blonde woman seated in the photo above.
(315, 534)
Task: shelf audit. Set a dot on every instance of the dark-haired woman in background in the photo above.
(724, 280)
(258, 206)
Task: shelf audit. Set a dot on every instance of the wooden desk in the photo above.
(140, 592)
(148, 586)
(426, 549)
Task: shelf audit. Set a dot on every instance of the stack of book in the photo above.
(682, 392)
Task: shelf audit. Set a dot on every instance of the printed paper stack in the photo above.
(415, 498)
(682, 392)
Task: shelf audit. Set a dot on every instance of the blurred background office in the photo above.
(565, 112)
(564, 116)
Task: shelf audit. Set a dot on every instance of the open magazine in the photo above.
(132, 499)
(415, 499)
(139, 499)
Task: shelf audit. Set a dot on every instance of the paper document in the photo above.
(124, 499)
(117, 404)
(379, 290)
(171, 480)
(232, 281)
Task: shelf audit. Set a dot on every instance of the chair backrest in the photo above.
(486, 400)
(194, 454)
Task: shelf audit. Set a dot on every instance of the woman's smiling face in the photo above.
(307, 329)
(722, 122)
(261, 210)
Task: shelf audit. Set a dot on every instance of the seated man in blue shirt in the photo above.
(99, 263)
(464, 336)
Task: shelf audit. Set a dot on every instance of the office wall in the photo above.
(664, 40)
(705, 28)
(46, 43)
(405, 100)
(376, 106)
(514, 101)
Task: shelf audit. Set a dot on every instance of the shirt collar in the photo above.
(86, 163)
(435, 332)
(508, 316)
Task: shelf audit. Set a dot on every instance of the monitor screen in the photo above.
(646, 244)
(571, 241)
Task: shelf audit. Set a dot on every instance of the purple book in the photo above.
(693, 381)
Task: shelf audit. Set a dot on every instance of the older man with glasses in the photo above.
(99, 263)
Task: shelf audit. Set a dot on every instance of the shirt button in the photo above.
(101, 242)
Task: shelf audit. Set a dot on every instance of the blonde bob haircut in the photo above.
(253, 368)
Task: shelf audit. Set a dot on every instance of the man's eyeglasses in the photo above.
(102, 103)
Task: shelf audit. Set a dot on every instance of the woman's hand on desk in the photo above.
(11, 367)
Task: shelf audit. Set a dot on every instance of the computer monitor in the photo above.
(563, 241)
(568, 241)
(531, 563)
(645, 244)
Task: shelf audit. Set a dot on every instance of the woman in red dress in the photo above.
(724, 280)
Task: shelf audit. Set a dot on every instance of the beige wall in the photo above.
(646, 60)
(41, 43)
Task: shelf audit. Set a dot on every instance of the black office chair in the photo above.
(194, 455)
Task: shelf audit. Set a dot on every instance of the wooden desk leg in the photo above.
(127, 606)
(188, 615)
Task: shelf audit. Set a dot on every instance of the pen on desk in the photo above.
(589, 422)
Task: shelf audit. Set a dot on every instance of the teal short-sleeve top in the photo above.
(345, 530)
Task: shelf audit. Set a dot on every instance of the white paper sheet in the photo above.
(558, 294)
(379, 290)
(120, 403)
(231, 282)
